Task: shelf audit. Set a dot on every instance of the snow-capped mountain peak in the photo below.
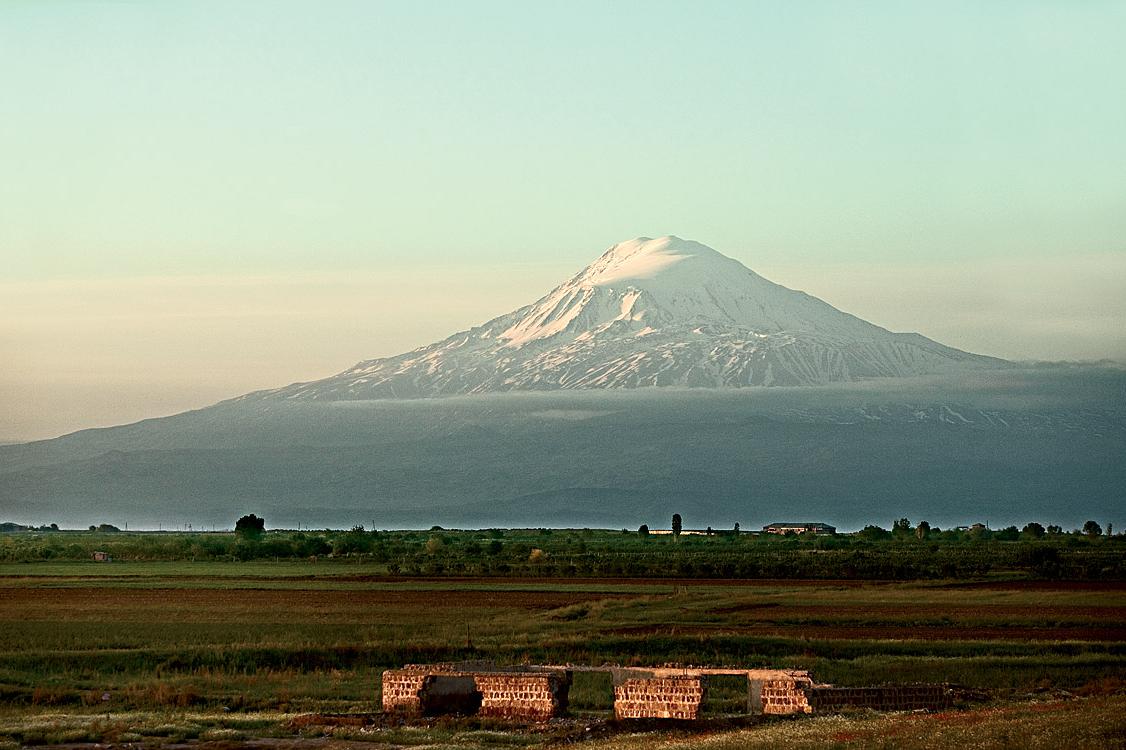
(670, 281)
(641, 258)
(650, 312)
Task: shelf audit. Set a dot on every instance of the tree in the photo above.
(736, 529)
(643, 530)
(1091, 528)
(1007, 534)
(923, 530)
(1033, 530)
(676, 524)
(873, 533)
(901, 528)
(250, 526)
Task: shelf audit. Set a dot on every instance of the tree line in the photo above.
(901, 552)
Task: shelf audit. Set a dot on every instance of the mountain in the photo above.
(542, 422)
(649, 312)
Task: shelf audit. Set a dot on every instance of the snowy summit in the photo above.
(649, 312)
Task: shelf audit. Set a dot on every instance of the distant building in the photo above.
(102, 557)
(799, 528)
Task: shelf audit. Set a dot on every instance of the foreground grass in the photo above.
(54, 727)
(162, 652)
(1089, 723)
(1098, 722)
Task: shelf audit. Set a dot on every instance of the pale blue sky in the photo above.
(153, 137)
(235, 140)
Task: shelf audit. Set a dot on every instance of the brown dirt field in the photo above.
(1041, 585)
(201, 604)
(889, 632)
(773, 611)
(721, 582)
(1010, 585)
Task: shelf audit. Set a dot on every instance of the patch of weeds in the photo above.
(175, 732)
(222, 735)
(492, 737)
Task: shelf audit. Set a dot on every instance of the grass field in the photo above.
(166, 651)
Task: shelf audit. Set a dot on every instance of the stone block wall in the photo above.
(659, 698)
(402, 689)
(786, 696)
(824, 699)
(416, 690)
(532, 696)
(757, 678)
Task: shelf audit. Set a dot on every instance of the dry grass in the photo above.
(1095, 723)
(1077, 724)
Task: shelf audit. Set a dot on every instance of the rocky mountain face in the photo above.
(649, 312)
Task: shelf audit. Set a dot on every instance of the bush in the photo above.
(250, 526)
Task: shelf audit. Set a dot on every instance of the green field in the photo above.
(165, 650)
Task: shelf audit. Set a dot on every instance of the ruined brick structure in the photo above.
(786, 696)
(802, 696)
(523, 695)
(825, 699)
(539, 693)
(528, 693)
(402, 689)
(659, 698)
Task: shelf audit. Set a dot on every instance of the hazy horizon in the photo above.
(210, 198)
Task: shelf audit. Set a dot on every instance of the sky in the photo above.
(201, 199)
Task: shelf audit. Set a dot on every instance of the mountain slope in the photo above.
(1004, 447)
(649, 312)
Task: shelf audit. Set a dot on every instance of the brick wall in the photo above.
(401, 688)
(534, 696)
(786, 696)
(659, 698)
(882, 698)
(416, 690)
